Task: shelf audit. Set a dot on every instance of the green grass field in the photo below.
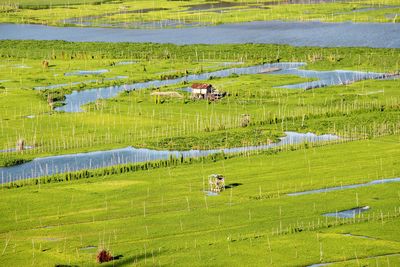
(163, 217)
(139, 119)
(44, 3)
(158, 214)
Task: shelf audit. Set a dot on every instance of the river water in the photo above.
(92, 160)
(76, 99)
(384, 35)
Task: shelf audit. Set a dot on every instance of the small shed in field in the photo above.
(216, 182)
(206, 91)
(202, 90)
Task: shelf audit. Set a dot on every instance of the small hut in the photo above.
(206, 91)
(201, 90)
(216, 182)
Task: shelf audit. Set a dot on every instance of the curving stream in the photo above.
(351, 213)
(76, 99)
(92, 160)
(344, 187)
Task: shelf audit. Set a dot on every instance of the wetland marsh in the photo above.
(202, 133)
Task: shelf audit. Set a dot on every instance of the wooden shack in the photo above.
(216, 182)
(202, 90)
(206, 91)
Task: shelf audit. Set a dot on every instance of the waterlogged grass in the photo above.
(63, 72)
(45, 3)
(142, 120)
(150, 14)
(138, 118)
(103, 54)
(158, 213)
(163, 216)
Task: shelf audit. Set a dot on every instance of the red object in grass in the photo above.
(104, 256)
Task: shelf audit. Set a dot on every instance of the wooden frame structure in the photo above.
(216, 182)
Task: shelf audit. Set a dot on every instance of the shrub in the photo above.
(104, 256)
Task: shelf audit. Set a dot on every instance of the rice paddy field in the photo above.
(141, 119)
(163, 217)
(162, 213)
(110, 156)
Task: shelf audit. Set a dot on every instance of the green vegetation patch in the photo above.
(139, 118)
(167, 14)
(165, 211)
